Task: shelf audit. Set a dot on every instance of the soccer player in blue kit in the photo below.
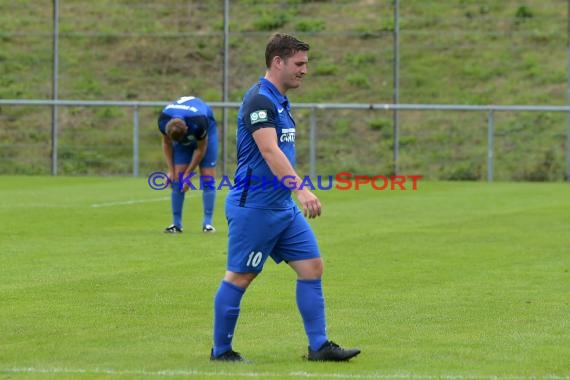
(263, 219)
(189, 140)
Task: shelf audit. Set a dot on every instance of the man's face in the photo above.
(294, 69)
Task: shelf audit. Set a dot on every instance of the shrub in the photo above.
(271, 21)
(523, 12)
(326, 69)
(310, 25)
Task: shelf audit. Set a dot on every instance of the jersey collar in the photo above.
(282, 99)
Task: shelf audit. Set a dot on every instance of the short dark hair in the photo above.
(284, 46)
(176, 129)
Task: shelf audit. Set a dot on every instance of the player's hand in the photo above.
(309, 202)
(171, 176)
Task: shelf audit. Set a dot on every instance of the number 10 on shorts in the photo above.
(254, 258)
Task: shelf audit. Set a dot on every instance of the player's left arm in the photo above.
(266, 140)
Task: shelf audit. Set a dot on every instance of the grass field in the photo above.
(453, 280)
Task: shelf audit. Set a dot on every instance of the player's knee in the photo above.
(207, 183)
(211, 172)
(318, 268)
(309, 269)
(241, 280)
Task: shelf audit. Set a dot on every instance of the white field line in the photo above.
(93, 205)
(297, 374)
(130, 202)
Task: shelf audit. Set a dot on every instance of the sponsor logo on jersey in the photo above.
(181, 107)
(287, 135)
(259, 116)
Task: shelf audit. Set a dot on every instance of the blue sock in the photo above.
(311, 304)
(226, 313)
(177, 201)
(208, 201)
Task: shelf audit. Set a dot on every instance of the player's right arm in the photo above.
(167, 151)
(163, 119)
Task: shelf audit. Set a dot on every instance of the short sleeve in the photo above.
(163, 119)
(259, 112)
(199, 126)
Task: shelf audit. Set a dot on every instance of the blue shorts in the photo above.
(255, 234)
(182, 154)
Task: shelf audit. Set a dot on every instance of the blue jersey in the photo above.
(197, 115)
(255, 185)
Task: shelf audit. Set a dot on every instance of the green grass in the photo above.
(453, 280)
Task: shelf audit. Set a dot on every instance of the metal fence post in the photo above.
(313, 143)
(568, 149)
(225, 141)
(55, 90)
(225, 89)
(396, 115)
(568, 91)
(490, 136)
(136, 141)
